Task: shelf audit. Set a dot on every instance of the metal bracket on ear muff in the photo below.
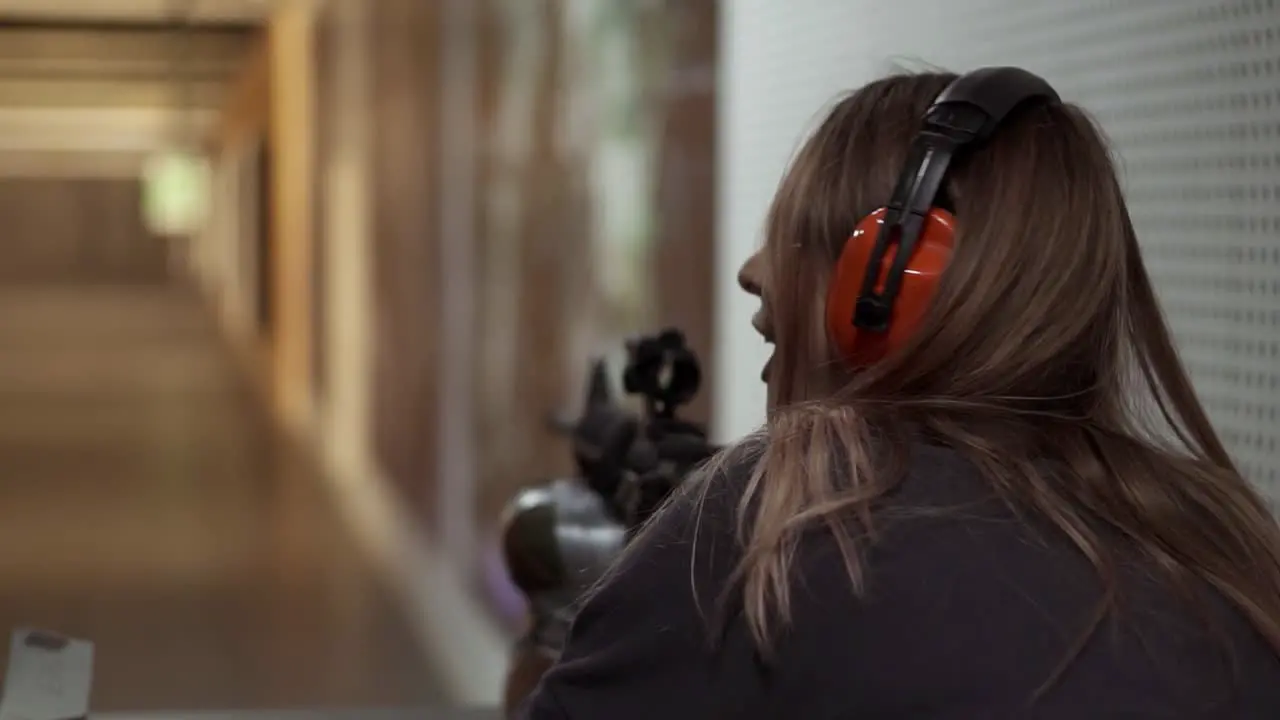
(930, 155)
(967, 112)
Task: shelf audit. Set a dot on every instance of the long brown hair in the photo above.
(1045, 361)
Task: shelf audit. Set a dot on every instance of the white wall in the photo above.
(1185, 88)
(782, 65)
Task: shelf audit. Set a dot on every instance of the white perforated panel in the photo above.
(1189, 91)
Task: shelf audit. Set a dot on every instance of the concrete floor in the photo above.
(147, 505)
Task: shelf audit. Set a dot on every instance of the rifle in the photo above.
(560, 538)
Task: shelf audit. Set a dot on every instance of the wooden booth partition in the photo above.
(684, 245)
(405, 254)
(241, 140)
(291, 201)
(324, 60)
(591, 157)
(594, 210)
(527, 245)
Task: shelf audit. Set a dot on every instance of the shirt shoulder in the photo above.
(646, 642)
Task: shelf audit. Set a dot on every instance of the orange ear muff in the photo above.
(861, 347)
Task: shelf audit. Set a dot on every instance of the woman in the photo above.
(987, 522)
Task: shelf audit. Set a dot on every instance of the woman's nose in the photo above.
(749, 274)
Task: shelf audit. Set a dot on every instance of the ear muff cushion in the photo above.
(860, 348)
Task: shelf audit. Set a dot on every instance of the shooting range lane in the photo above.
(148, 506)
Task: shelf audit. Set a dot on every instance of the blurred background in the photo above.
(289, 288)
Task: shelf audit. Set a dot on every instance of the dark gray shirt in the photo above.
(968, 612)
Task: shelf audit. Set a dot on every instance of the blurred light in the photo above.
(175, 193)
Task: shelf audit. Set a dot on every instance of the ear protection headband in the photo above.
(890, 267)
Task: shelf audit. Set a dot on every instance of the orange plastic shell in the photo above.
(929, 259)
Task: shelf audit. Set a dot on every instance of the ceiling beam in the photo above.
(55, 71)
(108, 93)
(80, 164)
(146, 27)
(97, 130)
(138, 12)
(68, 43)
